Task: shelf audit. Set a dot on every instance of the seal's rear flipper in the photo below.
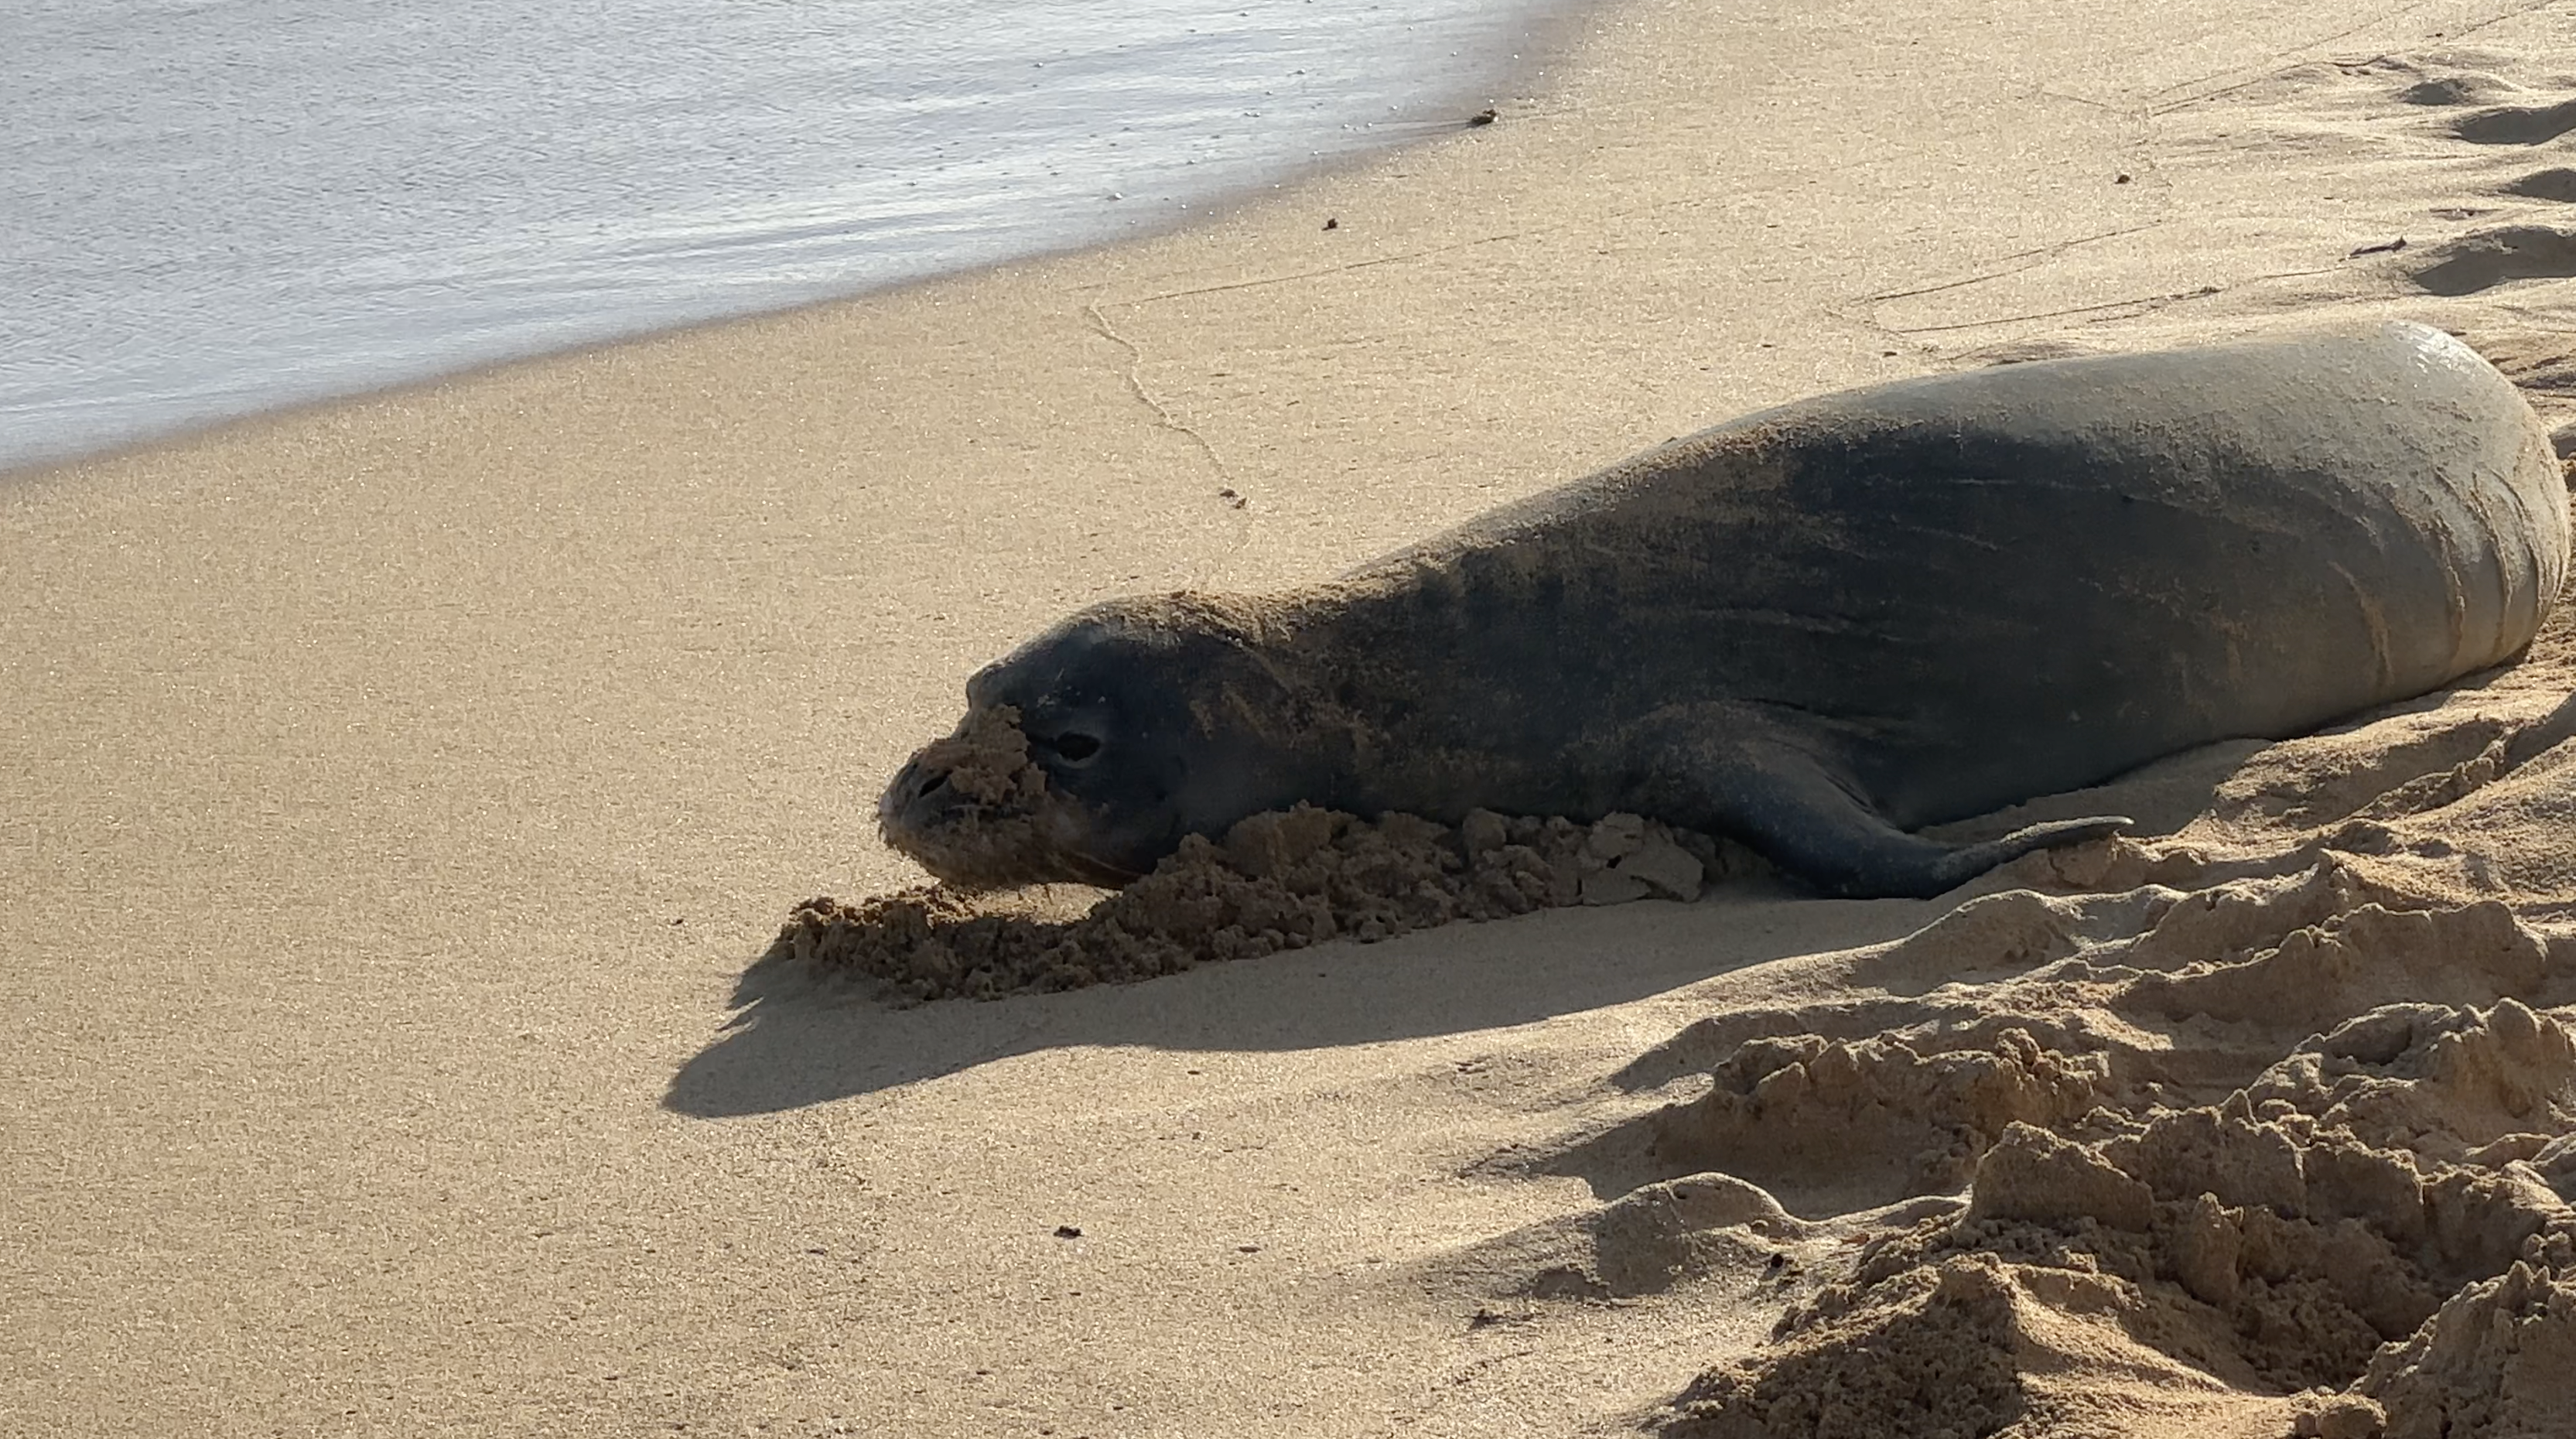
(1968, 861)
(1733, 772)
(1815, 829)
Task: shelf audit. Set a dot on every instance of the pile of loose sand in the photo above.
(2301, 1135)
(1276, 881)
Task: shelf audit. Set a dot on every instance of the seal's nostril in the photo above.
(932, 785)
(1076, 746)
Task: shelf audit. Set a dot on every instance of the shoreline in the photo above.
(654, 299)
(1218, 208)
(405, 786)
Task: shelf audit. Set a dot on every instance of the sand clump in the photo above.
(1275, 881)
(2498, 1360)
(988, 759)
(1935, 1362)
(1829, 1126)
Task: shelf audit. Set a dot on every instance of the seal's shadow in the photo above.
(796, 1040)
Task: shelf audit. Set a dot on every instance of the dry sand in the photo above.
(396, 800)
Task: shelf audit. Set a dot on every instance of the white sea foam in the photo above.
(212, 207)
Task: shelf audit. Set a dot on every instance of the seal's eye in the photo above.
(1075, 747)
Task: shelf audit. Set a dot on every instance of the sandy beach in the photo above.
(397, 800)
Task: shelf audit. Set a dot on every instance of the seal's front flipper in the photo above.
(1734, 773)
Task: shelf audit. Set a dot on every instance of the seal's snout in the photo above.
(918, 800)
(975, 810)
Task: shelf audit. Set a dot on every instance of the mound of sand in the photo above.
(1276, 881)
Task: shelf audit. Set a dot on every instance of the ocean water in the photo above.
(214, 207)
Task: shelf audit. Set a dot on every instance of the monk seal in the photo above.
(1815, 628)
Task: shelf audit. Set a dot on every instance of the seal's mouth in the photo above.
(976, 811)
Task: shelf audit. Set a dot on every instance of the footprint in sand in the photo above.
(2517, 124)
(2491, 257)
(2553, 184)
(2462, 89)
(2486, 258)
(2500, 123)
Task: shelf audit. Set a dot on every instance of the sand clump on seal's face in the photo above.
(1002, 817)
(1820, 628)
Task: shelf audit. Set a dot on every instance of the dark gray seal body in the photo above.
(1822, 626)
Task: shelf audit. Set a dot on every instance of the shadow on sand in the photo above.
(797, 1039)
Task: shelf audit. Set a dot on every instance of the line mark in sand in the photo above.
(2126, 112)
(1781, 184)
(1230, 490)
(2510, 12)
(1317, 274)
(2135, 302)
(2036, 256)
(1163, 415)
(2144, 303)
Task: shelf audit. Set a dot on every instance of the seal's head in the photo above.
(1089, 752)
